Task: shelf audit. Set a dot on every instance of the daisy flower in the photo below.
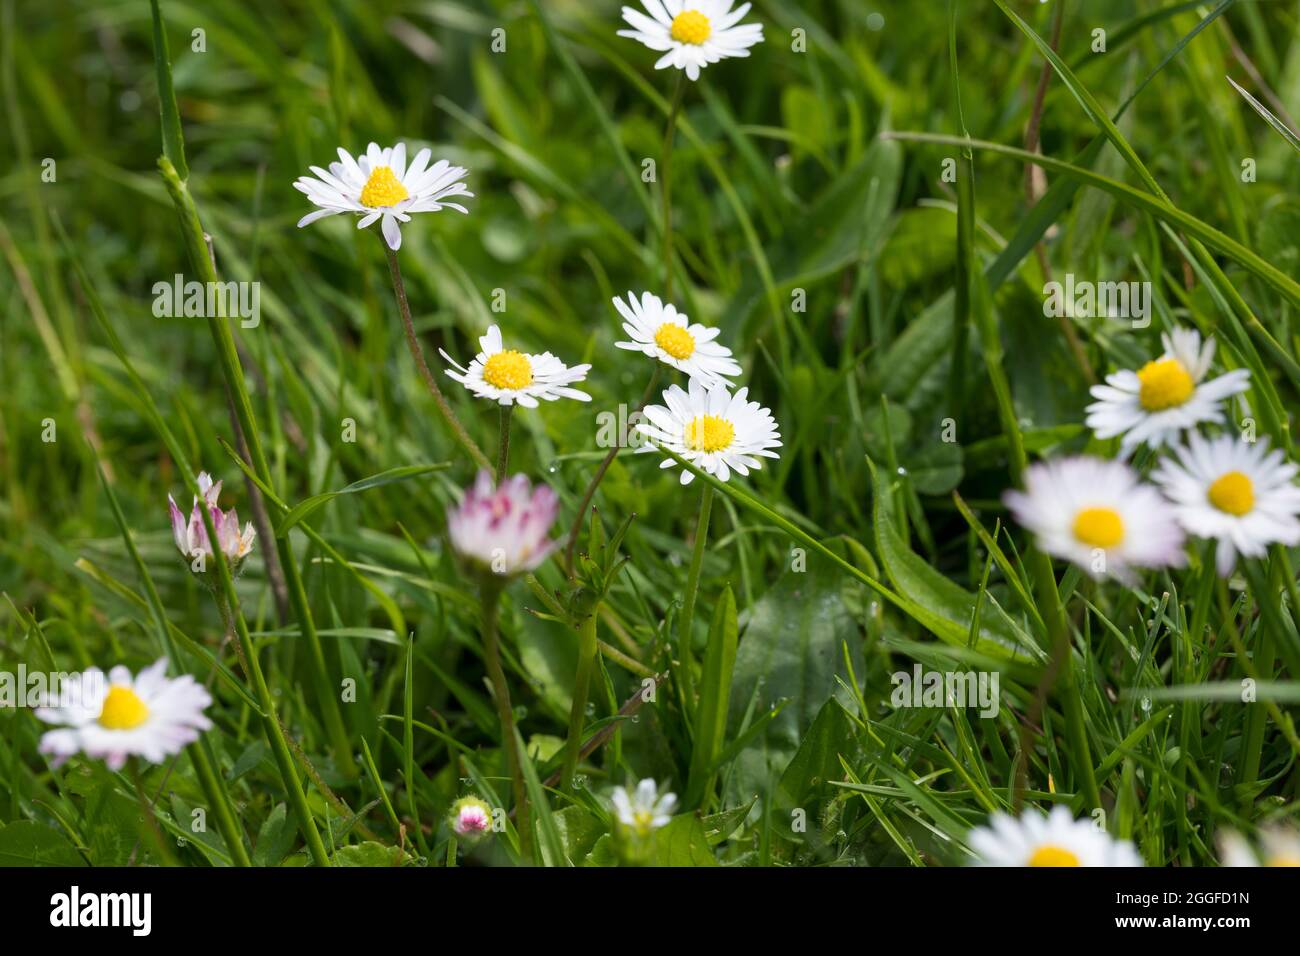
(1097, 514)
(471, 818)
(661, 332)
(1237, 493)
(191, 536)
(712, 429)
(1277, 847)
(1165, 396)
(691, 34)
(378, 184)
(150, 716)
(1054, 840)
(643, 810)
(504, 529)
(507, 376)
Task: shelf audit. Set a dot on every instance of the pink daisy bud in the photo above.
(504, 529)
(191, 535)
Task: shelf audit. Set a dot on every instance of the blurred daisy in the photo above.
(1237, 493)
(1165, 396)
(471, 818)
(643, 810)
(150, 716)
(379, 184)
(191, 536)
(691, 34)
(1054, 840)
(663, 333)
(712, 429)
(1097, 514)
(504, 529)
(1278, 847)
(507, 376)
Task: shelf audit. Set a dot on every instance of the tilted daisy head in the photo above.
(1166, 396)
(1053, 840)
(503, 529)
(641, 811)
(1234, 492)
(691, 34)
(1278, 847)
(191, 535)
(1097, 514)
(661, 332)
(508, 376)
(712, 429)
(379, 185)
(150, 715)
(471, 818)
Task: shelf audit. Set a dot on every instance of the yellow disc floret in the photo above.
(1233, 493)
(1048, 855)
(123, 709)
(691, 26)
(508, 370)
(675, 340)
(1165, 383)
(709, 433)
(1099, 527)
(382, 189)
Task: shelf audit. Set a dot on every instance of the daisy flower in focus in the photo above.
(507, 376)
(1237, 493)
(191, 535)
(643, 810)
(378, 184)
(1097, 514)
(471, 818)
(504, 529)
(1277, 847)
(712, 429)
(1164, 397)
(691, 34)
(661, 332)
(1054, 840)
(151, 716)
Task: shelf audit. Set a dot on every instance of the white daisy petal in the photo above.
(510, 377)
(710, 428)
(691, 34)
(1057, 840)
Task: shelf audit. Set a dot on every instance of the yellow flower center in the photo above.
(1099, 527)
(508, 370)
(675, 340)
(123, 709)
(1233, 493)
(1165, 384)
(383, 189)
(709, 433)
(1049, 855)
(644, 821)
(691, 26)
(1283, 861)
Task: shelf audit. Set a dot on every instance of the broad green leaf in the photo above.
(25, 843)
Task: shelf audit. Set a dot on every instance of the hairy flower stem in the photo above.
(412, 343)
(581, 688)
(503, 453)
(692, 588)
(490, 598)
(598, 477)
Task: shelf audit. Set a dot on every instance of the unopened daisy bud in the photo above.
(471, 818)
(191, 535)
(503, 529)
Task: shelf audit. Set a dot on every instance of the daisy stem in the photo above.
(503, 453)
(599, 476)
(1263, 659)
(692, 588)
(412, 343)
(490, 599)
(581, 687)
(679, 92)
